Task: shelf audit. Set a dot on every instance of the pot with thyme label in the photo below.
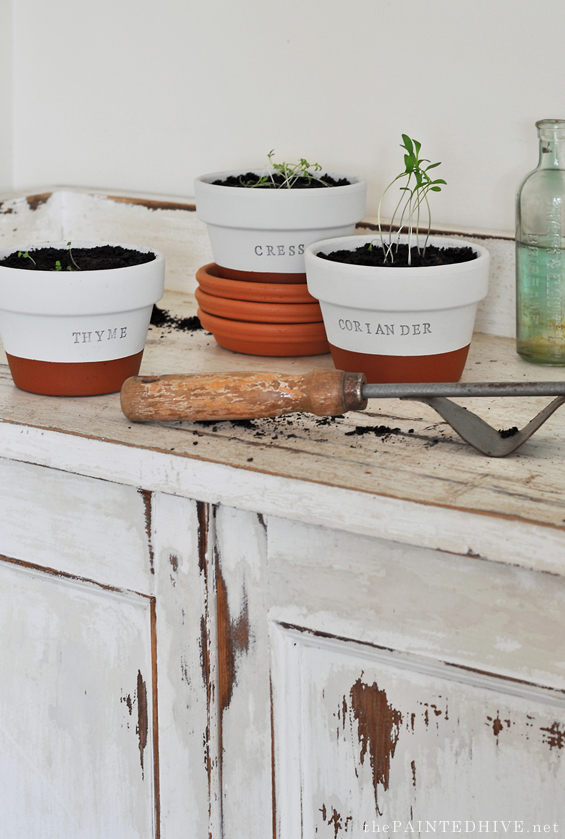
(70, 327)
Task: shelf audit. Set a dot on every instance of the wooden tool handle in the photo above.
(225, 396)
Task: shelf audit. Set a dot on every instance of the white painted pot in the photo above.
(266, 231)
(398, 313)
(67, 318)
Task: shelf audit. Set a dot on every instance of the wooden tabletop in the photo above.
(395, 451)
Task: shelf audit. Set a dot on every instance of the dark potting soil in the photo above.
(160, 317)
(250, 179)
(373, 254)
(87, 259)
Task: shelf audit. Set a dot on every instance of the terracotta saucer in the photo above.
(211, 282)
(267, 339)
(258, 312)
(260, 276)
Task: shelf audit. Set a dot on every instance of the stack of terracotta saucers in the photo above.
(271, 319)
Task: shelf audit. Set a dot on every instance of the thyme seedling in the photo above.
(27, 256)
(72, 258)
(413, 201)
(59, 267)
(290, 173)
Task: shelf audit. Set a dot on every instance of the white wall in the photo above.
(6, 123)
(140, 95)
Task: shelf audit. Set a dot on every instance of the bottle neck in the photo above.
(551, 144)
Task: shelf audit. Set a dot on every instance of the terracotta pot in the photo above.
(260, 235)
(211, 281)
(398, 324)
(258, 312)
(267, 339)
(77, 333)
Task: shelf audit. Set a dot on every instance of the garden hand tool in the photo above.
(252, 395)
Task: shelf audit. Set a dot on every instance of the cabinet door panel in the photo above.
(484, 615)
(369, 738)
(81, 526)
(76, 709)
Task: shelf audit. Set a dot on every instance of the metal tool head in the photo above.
(483, 436)
(468, 425)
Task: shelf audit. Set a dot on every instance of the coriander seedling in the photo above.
(413, 201)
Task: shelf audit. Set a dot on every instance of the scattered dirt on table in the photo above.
(273, 426)
(162, 318)
(377, 430)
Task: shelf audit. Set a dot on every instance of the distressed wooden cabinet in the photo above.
(294, 627)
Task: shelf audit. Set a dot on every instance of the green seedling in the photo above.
(291, 173)
(413, 201)
(59, 267)
(27, 256)
(72, 259)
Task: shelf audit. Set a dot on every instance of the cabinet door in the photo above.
(384, 688)
(105, 705)
(76, 709)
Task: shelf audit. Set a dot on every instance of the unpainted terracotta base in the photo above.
(267, 339)
(84, 378)
(379, 369)
(259, 276)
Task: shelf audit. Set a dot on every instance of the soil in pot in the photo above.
(76, 259)
(371, 253)
(275, 180)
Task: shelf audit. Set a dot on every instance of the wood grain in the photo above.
(245, 395)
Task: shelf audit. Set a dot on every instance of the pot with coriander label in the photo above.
(74, 318)
(261, 222)
(400, 307)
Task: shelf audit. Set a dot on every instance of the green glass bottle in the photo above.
(540, 252)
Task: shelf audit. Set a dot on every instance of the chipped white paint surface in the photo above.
(331, 627)
(61, 508)
(487, 616)
(187, 737)
(380, 743)
(244, 680)
(75, 734)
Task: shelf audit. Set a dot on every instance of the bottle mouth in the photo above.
(551, 127)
